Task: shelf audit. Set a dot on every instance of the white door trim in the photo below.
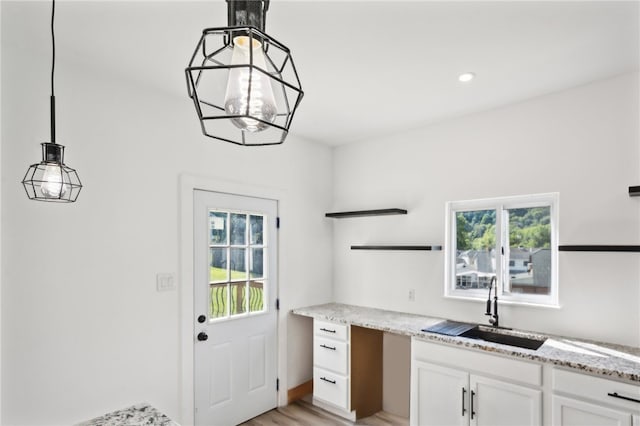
(189, 183)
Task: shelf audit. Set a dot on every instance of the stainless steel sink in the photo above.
(503, 339)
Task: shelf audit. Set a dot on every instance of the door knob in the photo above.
(202, 336)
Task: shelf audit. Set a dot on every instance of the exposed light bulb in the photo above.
(259, 101)
(53, 185)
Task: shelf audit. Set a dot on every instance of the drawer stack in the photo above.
(331, 364)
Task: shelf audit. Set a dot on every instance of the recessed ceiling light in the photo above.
(466, 77)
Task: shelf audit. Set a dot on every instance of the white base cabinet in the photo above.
(583, 400)
(439, 395)
(500, 403)
(453, 386)
(347, 369)
(331, 366)
(573, 412)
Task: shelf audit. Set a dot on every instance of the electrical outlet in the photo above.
(412, 295)
(165, 282)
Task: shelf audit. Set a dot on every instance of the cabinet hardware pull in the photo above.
(473, 413)
(464, 392)
(327, 330)
(333, 382)
(328, 347)
(615, 395)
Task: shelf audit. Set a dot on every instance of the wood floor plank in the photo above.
(305, 414)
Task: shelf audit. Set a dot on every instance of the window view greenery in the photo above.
(525, 251)
(529, 250)
(236, 263)
(475, 248)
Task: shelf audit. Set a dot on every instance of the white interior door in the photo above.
(235, 286)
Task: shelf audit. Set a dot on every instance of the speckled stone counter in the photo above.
(140, 414)
(615, 361)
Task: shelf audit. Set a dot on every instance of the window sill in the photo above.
(503, 301)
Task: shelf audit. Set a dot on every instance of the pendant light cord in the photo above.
(53, 66)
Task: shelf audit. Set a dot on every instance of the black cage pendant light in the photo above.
(243, 82)
(51, 179)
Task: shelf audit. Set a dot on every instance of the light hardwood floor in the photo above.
(304, 414)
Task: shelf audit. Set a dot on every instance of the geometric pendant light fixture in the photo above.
(243, 83)
(51, 179)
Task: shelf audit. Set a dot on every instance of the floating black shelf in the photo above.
(427, 248)
(634, 191)
(606, 248)
(378, 212)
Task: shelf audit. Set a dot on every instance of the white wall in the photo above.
(583, 143)
(83, 329)
(396, 374)
(0, 223)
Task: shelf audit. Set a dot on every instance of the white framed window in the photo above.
(237, 264)
(514, 239)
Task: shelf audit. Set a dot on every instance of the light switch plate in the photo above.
(412, 295)
(165, 281)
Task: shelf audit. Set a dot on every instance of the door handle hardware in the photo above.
(202, 319)
(328, 347)
(464, 393)
(202, 336)
(626, 398)
(333, 382)
(473, 413)
(327, 330)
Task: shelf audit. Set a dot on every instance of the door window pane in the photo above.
(529, 236)
(218, 264)
(475, 233)
(256, 296)
(218, 300)
(238, 229)
(257, 263)
(238, 298)
(237, 262)
(218, 227)
(256, 223)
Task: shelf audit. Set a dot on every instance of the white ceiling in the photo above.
(368, 68)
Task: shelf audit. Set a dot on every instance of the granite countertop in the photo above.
(615, 361)
(138, 415)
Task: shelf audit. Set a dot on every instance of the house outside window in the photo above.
(513, 239)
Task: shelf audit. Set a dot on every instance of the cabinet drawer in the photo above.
(596, 388)
(331, 330)
(477, 361)
(331, 354)
(330, 387)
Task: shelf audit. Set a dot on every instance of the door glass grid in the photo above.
(237, 264)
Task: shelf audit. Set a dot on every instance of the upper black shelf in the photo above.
(381, 247)
(634, 191)
(609, 248)
(378, 212)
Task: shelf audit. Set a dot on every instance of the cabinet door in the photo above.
(498, 403)
(571, 412)
(439, 395)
